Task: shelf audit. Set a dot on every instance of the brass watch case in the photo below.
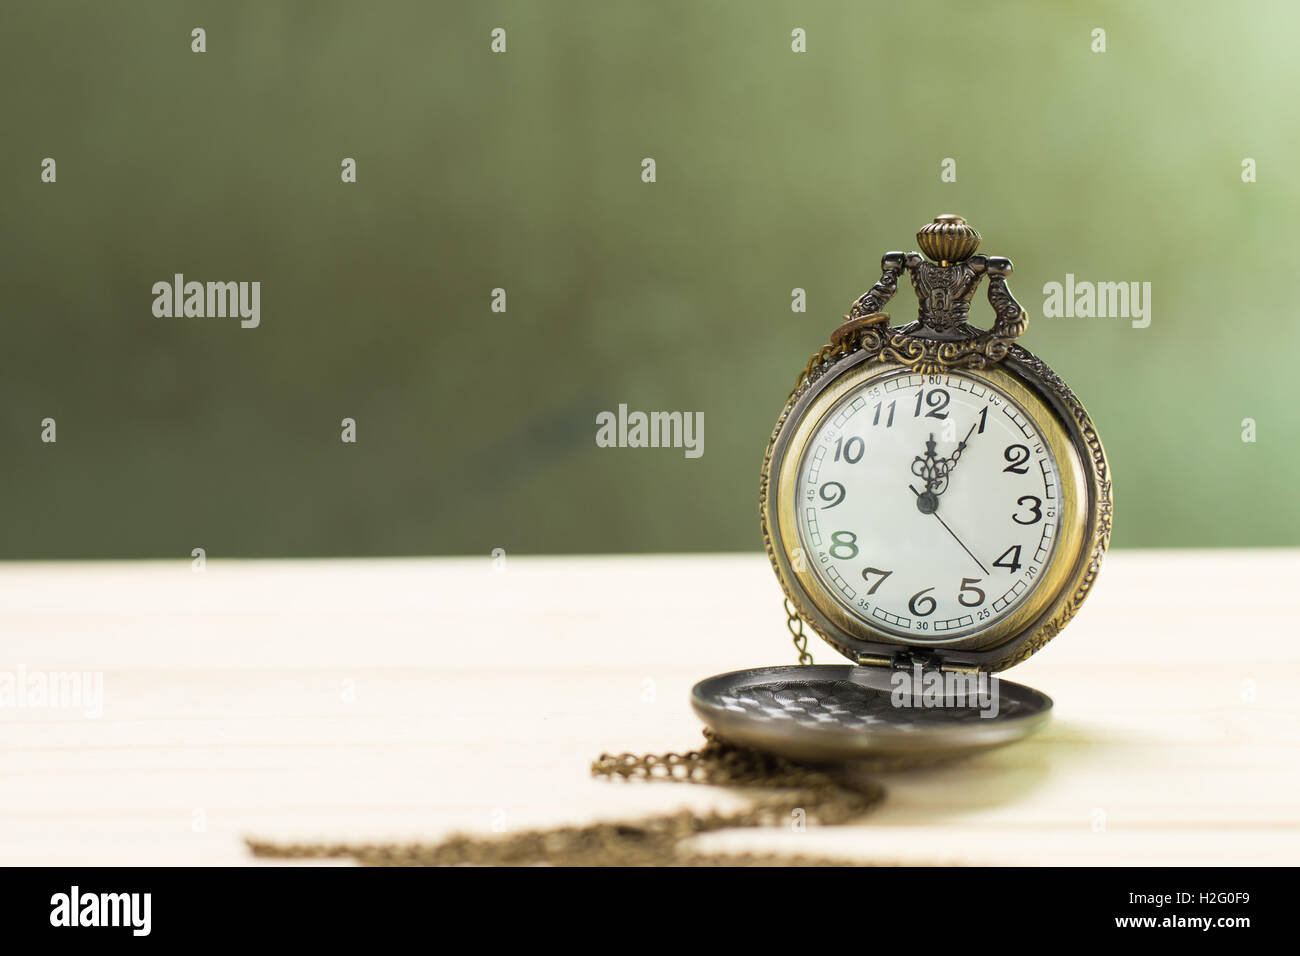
(1066, 581)
(846, 713)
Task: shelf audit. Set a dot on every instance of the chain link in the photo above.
(655, 840)
(794, 624)
(824, 355)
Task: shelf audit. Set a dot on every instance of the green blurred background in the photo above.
(776, 170)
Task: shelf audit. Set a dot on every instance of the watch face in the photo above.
(927, 505)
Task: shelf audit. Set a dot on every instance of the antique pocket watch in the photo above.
(936, 504)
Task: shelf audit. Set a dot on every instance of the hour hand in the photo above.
(932, 472)
(935, 470)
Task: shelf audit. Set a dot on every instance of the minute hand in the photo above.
(951, 461)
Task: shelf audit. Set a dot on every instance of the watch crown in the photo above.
(948, 239)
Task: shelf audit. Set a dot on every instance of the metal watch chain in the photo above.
(818, 798)
(823, 799)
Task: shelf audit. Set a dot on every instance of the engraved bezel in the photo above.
(1065, 581)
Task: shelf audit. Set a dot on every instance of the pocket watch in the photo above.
(936, 503)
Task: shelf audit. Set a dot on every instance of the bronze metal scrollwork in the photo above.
(945, 283)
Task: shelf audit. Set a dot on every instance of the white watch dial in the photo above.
(928, 505)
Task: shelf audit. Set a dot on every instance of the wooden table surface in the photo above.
(409, 698)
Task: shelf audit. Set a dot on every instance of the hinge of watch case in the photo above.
(906, 660)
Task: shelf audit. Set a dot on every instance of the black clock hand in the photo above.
(925, 466)
(919, 496)
(944, 466)
(961, 447)
(935, 471)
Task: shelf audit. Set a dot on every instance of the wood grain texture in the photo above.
(407, 699)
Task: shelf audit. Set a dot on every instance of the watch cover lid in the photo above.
(836, 712)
